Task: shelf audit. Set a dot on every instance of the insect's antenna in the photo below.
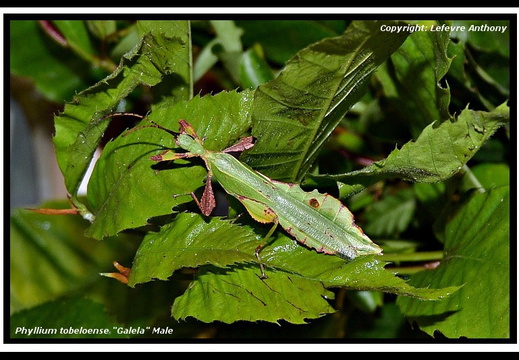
(128, 132)
(114, 114)
(153, 123)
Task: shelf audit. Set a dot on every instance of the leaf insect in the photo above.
(316, 220)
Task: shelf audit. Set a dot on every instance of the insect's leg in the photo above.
(207, 203)
(261, 246)
(262, 267)
(196, 200)
(263, 214)
(242, 145)
(236, 218)
(170, 155)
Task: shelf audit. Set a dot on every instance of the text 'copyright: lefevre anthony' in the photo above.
(443, 27)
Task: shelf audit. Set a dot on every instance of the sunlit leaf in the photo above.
(279, 297)
(190, 241)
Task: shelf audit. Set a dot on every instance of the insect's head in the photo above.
(189, 143)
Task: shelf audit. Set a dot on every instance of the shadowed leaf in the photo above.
(477, 256)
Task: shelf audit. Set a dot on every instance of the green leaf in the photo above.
(246, 68)
(296, 112)
(205, 60)
(391, 215)
(281, 39)
(77, 36)
(102, 29)
(279, 297)
(363, 273)
(177, 62)
(253, 69)
(191, 241)
(410, 79)
(126, 188)
(293, 271)
(73, 318)
(226, 46)
(55, 73)
(477, 256)
(80, 127)
(229, 35)
(440, 151)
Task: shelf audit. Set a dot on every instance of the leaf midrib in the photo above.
(312, 147)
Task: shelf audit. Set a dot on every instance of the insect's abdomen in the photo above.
(324, 223)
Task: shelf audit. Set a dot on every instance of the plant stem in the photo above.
(414, 257)
(105, 63)
(430, 259)
(409, 270)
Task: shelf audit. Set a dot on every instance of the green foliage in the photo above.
(67, 260)
(296, 112)
(124, 180)
(237, 289)
(346, 88)
(476, 250)
(73, 318)
(184, 243)
(79, 130)
(411, 82)
(55, 73)
(438, 153)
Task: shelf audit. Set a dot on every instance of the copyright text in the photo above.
(443, 27)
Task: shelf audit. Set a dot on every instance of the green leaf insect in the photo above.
(316, 220)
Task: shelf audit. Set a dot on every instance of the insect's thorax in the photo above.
(233, 175)
(188, 143)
